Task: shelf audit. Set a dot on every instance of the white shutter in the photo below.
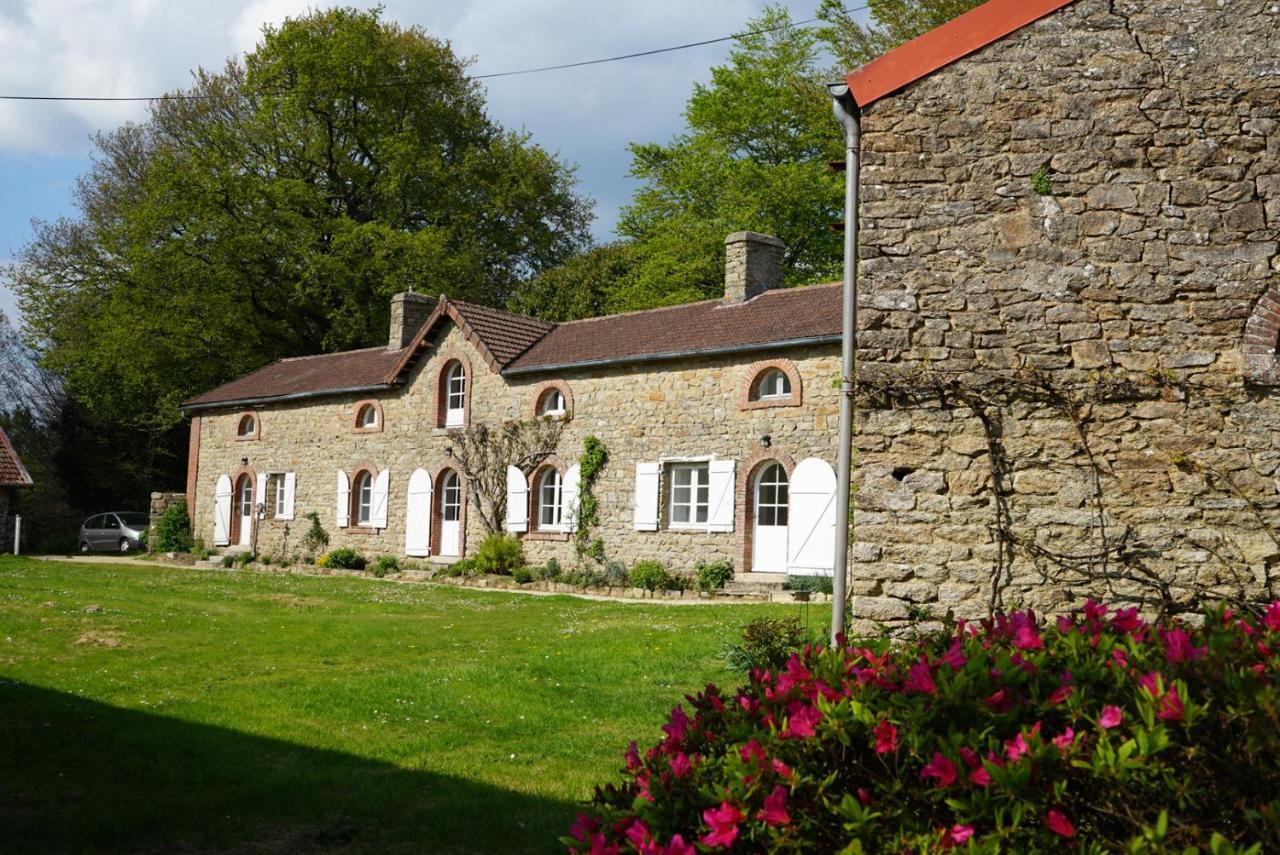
(344, 500)
(720, 515)
(517, 500)
(290, 490)
(381, 489)
(812, 519)
(222, 511)
(646, 518)
(260, 494)
(569, 489)
(417, 515)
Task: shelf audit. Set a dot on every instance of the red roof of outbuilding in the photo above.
(943, 45)
(12, 472)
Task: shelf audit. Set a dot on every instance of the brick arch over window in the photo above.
(353, 500)
(359, 411)
(1261, 339)
(437, 503)
(756, 372)
(746, 513)
(246, 432)
(241, 472)
(540, 391)
(535, 496)
(448, 359)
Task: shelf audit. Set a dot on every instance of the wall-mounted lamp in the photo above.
(766, 441)
(244, 461)
(448, 452)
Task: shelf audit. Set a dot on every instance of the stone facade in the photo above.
(1092, 337)
(640, 412)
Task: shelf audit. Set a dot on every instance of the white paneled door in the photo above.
(769, 537)
(450, 514)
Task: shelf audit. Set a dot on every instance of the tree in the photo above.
(270, 211)
(893, 22)
(585, 286)
(754, 156)
(483, 453)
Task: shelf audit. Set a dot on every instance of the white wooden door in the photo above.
(221, 511)
(769, 537)
(450, 514)
(811, 540)
(417, 515)
(244, 507)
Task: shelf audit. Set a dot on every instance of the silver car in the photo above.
(118, 531)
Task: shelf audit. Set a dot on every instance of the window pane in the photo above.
(782, 515)
(702, 513)
(766, 515)
(683, 475)
(680, 513)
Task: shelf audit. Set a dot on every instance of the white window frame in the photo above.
(552, 394)
(774, 377)
(557, 500)
(454, 479)
(275, 480)
(455, 416)
(247, 426)
(363, 490)
(244, 496)
(371, 412)
(699, 483)
(780, 506)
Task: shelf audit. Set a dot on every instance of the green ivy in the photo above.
(1042, 181)
(590, 463)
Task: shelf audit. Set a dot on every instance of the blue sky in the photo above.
(140, 47)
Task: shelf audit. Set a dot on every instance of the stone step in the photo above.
(761, 578)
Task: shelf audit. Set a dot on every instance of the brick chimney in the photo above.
(409, 311)
(752, 265)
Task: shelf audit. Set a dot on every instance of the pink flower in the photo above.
(1065, 740)
(680, 765)
(1120, 657)
(639, 836)
(802, 721)
(1094, 611)
(953, 657)
(724, 822)
(599, 847)
(920, 680)
(956, 835)
(633, 756)
(1015, 749)
(1178, 647)
(1059, 824)
(782, 768)
(1060, 694)
(677, 727)
(1001, 700)
(677, 846)
(886, 737)
(751, 751)
(583, 827)
(1127, 620)
(980, 777)
(1111, 717)
(1025, 634)
(1169, 706)
(774, 811)
(941, 769)
(864, 797)
(1272, 618)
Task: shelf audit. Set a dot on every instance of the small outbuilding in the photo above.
(13, 477)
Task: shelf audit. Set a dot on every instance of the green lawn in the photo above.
(156, 709)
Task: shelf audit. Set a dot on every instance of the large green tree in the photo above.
(270, 210)
(890, 23)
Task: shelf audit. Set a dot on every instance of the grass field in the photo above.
(154, 709)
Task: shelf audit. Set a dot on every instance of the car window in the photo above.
(93, 522)
(110, 521)
(134, 520)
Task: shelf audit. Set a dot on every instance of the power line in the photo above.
(580, 64)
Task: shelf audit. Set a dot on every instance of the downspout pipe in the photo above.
(849, 116)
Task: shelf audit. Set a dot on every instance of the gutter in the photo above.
(274, 399)
(675, 354)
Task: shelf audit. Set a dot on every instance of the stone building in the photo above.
(1071, 305)
(718, 419)
(13, 477)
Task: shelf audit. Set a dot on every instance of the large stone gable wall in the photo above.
(692, 407)
(1159, 126)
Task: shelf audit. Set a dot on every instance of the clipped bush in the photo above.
(713, 575)
(616, 575)
(1096, 733)
(652, 576)
(385, 564)
(173, 529)
(462, 568)
(342, 559)
(551, 570)
(766, 643)
(499, 555)
(587, 578)
(523, 574)
(812, 584)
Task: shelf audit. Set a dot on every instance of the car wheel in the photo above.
(84, 548)
(124, 544)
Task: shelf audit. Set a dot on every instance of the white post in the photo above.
(17, 532)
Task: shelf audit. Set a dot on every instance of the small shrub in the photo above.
(265, 560)
(551, 570)
(343, 559)
(616, 575)
(462, 568)
(499, 554)
(522, 574)
(587, 579)
(385, 564)
(1095, 733)
(228, 561)
(316, 538)
(766, 643)
(651, 575)
(713, 575)
(173, 529)
(812, 584)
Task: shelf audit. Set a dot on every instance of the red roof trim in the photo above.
(943, 45)
(12, 463)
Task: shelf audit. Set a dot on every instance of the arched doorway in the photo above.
(242, 512)
(449, 510)
(770, 493)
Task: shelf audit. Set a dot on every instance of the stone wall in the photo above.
(161, 502)
(1090, 337)
(670, 409)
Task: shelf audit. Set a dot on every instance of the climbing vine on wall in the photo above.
(590, 463)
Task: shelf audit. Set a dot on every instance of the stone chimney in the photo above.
(752, 265)
(409, 311)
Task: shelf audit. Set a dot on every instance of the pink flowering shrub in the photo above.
(1097, 732)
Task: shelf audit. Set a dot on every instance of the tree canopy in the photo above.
(271, 210)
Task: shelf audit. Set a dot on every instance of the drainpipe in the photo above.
(847, 114)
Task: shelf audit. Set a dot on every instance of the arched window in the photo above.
(362, 498)
(368, 417)
(454, 391)
(552, 403)
(774, 384)
(550, 499)
(247, 427)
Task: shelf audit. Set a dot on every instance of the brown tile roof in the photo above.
(12, 472)
(789, 314)
(519, 344)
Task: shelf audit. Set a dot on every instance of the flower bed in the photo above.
(1096, 732)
